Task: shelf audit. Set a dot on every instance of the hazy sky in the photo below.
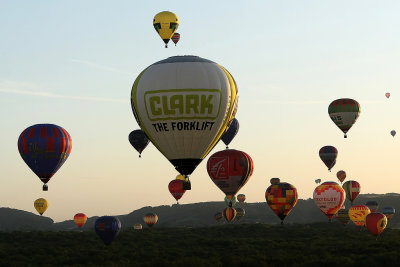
(72, 63)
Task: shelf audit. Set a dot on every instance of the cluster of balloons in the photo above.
(166, 23)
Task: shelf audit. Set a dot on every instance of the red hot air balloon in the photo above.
(229, 214)
(44, 148)
(387, 95)
(352, 189)
(230, 170)
(329, 198)
(175, 38)
(80, 219)
(241, 198)
(328, 155)
(176, 189)
(341, 175)
(376, 223)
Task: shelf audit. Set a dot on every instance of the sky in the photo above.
(73, 64)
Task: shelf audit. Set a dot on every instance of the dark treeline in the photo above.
(330, 244)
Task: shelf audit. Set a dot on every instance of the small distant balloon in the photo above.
(80, 219)
(241, 198)
(137, 226)
(341, 175)
(228, 136)
(275, 180)
(107, 228)
(240, 212)
(165, 23)
(41, 205)
(175, 38)
(372, 205)
(393, 132)
(358, 213)
(317, 181)
(150, 219)
(175, 187)
(344, 113)
(352, 189)
(218, 216)
(229, 214)
(389, 212)
(138, 140)
(343, 216)
(328, 155)
(387, 95)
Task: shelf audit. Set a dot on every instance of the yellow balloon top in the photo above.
(41, 205)
(165, 23)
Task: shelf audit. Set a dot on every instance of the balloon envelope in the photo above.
(233, 129)
(341, 175)
(352, 189)
(80, 219)
(329, 198)
(389, 212)
(317, 181)
(175, 187)
(107, 228)
(344, 113)
(165, 23)
(150, 219)
(184, 104)
(376, 223)
(240, 212)
(281, 198)
(137, 226)
(372, 205)
(387, 95)
(328, 155)
(230, 170)
(343, 216)
(241, 198)
(275, 180)
(176, 37)
(44, 148)
(138, 140)
(229, 214)
(358, 213)
(41, 205)
(393, 133)
(218, 216)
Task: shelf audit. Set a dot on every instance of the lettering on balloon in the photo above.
(183, 126)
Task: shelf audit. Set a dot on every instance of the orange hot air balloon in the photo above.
(229, 214)
(80, 219)
(376, 223)
(341, 175)
(329, 198)
(150, 219)
(241, 198)
(281, 198)
(176, 189)
(358, 213)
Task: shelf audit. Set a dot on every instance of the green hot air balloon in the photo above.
(344, 113)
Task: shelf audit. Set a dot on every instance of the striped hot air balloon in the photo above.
(150, 219)
(352, 189)
(328, 155)
(229, 214)
(175, 38)
(44, 148)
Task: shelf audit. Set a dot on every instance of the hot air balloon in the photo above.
(358, 213)
(44, 148)
(281, 198)
(150, 219)
(80, 219)
(229, 214)
(241, 198)
(387, 95)
(184, 105)
(393, 132)
(389, 212)
(107, 228)
(328, 155)
(218, 216)
(230, 202)
(137, 226)
(372, 205)
(175, 38)
(41, 205)
(341, 175)
(228, 136)
(317, 181)
(230, 170)
(344, 113)
(165, 23)
(138, 140)
(329, 198)
(240, 212)
(275, 180)
(376, 223)
(352, 189)
(176, 189)
(343, 216)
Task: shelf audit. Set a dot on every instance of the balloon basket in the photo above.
(45, 187)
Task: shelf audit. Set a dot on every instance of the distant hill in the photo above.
(194, 215)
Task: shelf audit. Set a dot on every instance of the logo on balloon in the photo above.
(218, 168)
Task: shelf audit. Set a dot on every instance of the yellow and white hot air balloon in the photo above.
(184, 104)
(166, 23)
(41, 205)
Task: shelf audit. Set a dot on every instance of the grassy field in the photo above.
(223, 245)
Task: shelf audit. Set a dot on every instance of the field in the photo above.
(223, 245)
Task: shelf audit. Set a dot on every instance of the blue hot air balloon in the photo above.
(107, 228)
(228, 136)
